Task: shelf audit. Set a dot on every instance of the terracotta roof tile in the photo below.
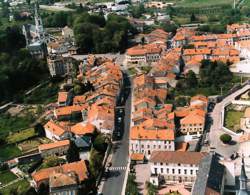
(54, 128)
(57, 144)
(138, 132)
(82, 129)
(177, 157)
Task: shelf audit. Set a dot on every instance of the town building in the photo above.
(243, 180)
(64, 98)
(210, 178)
(175, 167)
(59, 66)
(69, 171)
(143, 54)
(63, 183)
(55, 132)
(58, 148)
(69, 112)
(35, 37)
(146, 141)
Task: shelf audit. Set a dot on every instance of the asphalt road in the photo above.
(114, 183)
(216, 127)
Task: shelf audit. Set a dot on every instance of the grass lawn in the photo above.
(203, 3)
(6, 177)
(44, 95)
(21, 187)
(21, 136)
(13, 123)
(29, 145)
(232, 119)
(132, 71)
(8, 152)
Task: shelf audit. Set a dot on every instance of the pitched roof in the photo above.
(143, 50)
(62, 96)
(57, 144)
(137, 156)
(139, 133)
(78, 167)
(82, 129)
(54, 128)
(177, 157)
(68, 110)
(62, 180)
(194, 117)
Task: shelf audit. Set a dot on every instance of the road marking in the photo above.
(117, 168)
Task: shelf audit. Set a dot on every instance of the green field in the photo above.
(232, 119)
(202, 3)
(8, 152)
(13, 123)
(20, 187)
(6, 177)
(21, 136)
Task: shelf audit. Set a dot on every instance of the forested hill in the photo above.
(18, 69)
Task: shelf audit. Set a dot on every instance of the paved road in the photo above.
(114, 183)
(216, 128)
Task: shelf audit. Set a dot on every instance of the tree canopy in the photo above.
(73, 153)
(18, 69)
(94, 34)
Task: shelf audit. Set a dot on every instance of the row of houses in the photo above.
(155, 124)
(155, 135)
(77, 118)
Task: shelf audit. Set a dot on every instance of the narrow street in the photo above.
(114, 183)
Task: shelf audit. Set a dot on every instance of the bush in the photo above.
(225, 138)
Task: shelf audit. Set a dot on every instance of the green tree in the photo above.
(152, 190)
(78, 89)
(131, 187)
(138, 10)
(43, 189)
(52, 161)
(226, 138)
(30, 191)
(73, 153)
(39, 130)
(191, 79)
(193, 18)
(95, 161)
(100, 143)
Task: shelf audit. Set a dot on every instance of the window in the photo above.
(161, 163)
(142, 146)
(154, 146)
(191, 172)
(167, 170)
(173, 171)
(155, 170)
(185, 171)
(179, 171)
(159, 146)
(161, 170)
(148, 146)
